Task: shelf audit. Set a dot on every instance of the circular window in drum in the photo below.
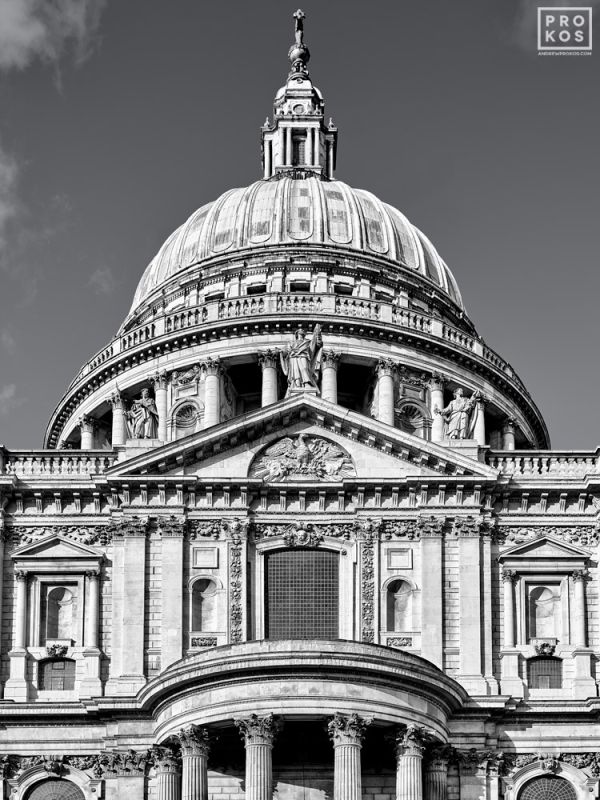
(548, 787)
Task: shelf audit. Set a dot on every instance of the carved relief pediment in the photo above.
(302, 457)
(54, 546)
(545, 547)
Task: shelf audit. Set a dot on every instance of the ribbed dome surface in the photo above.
(296, 211)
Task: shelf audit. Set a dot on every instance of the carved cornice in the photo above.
(194, 741)
(258, 730)
(347, 729)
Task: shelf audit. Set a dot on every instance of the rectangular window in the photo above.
(302, 594)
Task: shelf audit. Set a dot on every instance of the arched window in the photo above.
(60, 613)
(399, 606)
(410, 419)
(544, 673)
(55, 789)
(548, 787)
(56, 674)
(204, 606)
(544, 612)
(187, 420)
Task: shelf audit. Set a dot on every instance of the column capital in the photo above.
(330, 358)
(509, 575)
(21, 575)
(580, 575)
(194, 741)
(87, 423)
(437, 755)
(164, 759)
(213, 366)
(385, 367)
(258, 730)
(116, 400)
(412, 741)
(437, 382)
(347, 729)
(509, 425)
(268, 359)
(92, 574)
(159, 380)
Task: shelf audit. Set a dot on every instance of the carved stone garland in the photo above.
(235, 591)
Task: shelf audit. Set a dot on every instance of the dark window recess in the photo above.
(298, 148)
(257, 288)
(342, 288)
(544, 673)
(299, 286)
(302, 588)
(214, 296)
(57, 674)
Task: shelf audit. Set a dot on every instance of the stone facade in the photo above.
(314, 543)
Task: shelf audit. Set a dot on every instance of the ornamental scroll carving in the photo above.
(582, 535)
(302, 457)
(217, 529)
(94, 534)
(370, 531)
(235, 591)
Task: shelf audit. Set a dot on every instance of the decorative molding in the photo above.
(589, 761)
(130, 527)
(582, 535)
(94, 534)
(367, 590)
(120, 763)
(580, 575)
(544, 649)
(194, 741)
(302, 457)
(468, 527)
(204, 641)
(57, 650)
(236, 614)
(399, 641)
(347, 729)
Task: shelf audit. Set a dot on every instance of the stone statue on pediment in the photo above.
(142, 417)
(301, 362)
(459, 415)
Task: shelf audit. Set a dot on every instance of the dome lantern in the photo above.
(298, 141)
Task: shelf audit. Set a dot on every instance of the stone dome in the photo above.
(296, 211)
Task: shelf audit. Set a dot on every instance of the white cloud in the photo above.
(9, 398)
(8, 342)
(46, 29)
(9, 204)
(103, 281)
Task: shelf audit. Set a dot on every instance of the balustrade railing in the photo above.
(545, 464)
(59, 463)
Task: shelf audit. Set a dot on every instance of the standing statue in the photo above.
(460, 415)
(142, 417)
(299, 27)
(301, 361)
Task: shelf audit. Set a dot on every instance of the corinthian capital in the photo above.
(194, 741)
(159, 380)
(213, 366)
(268, 358)
(347, 730)
(386, 367)
(412, 741)
(330, 358)
(258, 730)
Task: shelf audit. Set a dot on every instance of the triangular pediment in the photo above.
(57, 547)
(375, 450)
(545, 547)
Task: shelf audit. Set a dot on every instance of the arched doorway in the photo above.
(548, 787)
(55, 789)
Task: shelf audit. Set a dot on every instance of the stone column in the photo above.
(21, 611)
(308, 157)
(435, 778)
(508, 434)
(268, 150)
(258, 734)
(91, 628)
(213, 369)
(508, 578)
(410, 746)
(288, 147)
(87, 426)
(479, 431)
(580, 633)
(316, 153)
(168, 774)
(347, 734)
(385, 387)
(119, 423)
(329, 368)
(436, 400)
(268, 363)
(159, 381)
(195, 747)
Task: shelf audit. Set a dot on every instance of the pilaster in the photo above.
(172, 536)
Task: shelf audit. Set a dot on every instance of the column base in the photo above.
(128, 685)
(16, 687)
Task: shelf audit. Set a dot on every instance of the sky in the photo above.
(118, 118)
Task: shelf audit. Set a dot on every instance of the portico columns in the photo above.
(435, 783)
(508, 578)
(213, 369)
(508, 434)
(87, 426)
(580, 634)
(329, 368)
(119, 424)
(258, 734)
(91, 629)
(195, 747)
(385, 387)
(347, 734)
(436, 400)
(159, 381)
(168, 774)
(268, 363)
(21, 611)
(479, 431)
(410, 745)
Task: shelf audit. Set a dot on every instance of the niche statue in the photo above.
(301, 361)
(460, 415)
(142, 417)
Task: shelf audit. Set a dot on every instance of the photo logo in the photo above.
(564, 30)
